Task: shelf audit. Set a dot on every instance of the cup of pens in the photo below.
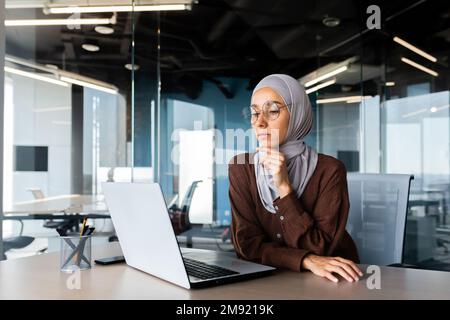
(76, 249)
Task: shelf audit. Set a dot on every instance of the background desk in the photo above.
(39, 277)
(73, 203)
(67, 207)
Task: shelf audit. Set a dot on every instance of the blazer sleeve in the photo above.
(319, 231)
(249, 239)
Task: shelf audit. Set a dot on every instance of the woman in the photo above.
(289, 204)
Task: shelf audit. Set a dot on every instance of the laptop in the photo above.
(140, 217)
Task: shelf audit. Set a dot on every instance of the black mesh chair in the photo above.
(17, 242)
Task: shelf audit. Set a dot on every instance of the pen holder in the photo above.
(75, 253)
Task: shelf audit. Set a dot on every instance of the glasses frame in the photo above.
(265, 113)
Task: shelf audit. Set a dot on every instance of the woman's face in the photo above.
(270, 133)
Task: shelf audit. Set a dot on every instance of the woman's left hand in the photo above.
(275, 162)
(327, 267)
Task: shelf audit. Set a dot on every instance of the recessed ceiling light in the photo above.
(129, 66)
(390, 83)
(104, 30)
(331, 21)
(90, 47)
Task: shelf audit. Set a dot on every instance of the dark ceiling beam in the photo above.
(204, 68)
(104, 38)
(69, 52)
(101, 56)
(221, 26)
(78, 63)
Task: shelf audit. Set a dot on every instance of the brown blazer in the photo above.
(315, 223)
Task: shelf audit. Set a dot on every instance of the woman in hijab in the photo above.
(289, 204)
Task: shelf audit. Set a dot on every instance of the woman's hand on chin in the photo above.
(275, 162)
(326, 267)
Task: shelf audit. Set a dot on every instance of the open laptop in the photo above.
(148, 242)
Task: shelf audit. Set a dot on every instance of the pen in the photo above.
(83, 227)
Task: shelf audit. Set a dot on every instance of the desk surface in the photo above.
(39, 277)
(72, 203)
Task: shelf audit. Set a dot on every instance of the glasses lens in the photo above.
(271, 110)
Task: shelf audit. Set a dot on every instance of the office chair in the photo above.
(377, 217)
(187, 200)
(17, 242)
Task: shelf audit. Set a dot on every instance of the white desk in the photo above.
(39, 277)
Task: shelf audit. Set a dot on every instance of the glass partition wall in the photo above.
(171, 88)
(80, 87)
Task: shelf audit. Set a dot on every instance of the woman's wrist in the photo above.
(306, 262)
(284, 190)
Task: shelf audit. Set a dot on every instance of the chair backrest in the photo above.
(187, 200)
(377, 217)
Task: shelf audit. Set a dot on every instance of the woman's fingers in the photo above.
(351, 264)
(273, 168)
(268, 162)
(330, 276)
(347, 268)
(272, 161)
(340, 271)
(276, 157)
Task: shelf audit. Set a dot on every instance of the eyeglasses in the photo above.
(270, 111)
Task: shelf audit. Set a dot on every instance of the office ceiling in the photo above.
(238, 38)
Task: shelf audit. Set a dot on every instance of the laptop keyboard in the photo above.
(204, 271)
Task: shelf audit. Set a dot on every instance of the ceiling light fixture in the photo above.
(89, 85)
(414, 49)
(104, 30)
(331, 21)
(326, 76)
(58, 22)
(320, 86)
(123, 8)
(66, 77)
(347, 99)
(420, 67)
(35, 76)
(90, 47)
(130, 67)
(389, 83)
